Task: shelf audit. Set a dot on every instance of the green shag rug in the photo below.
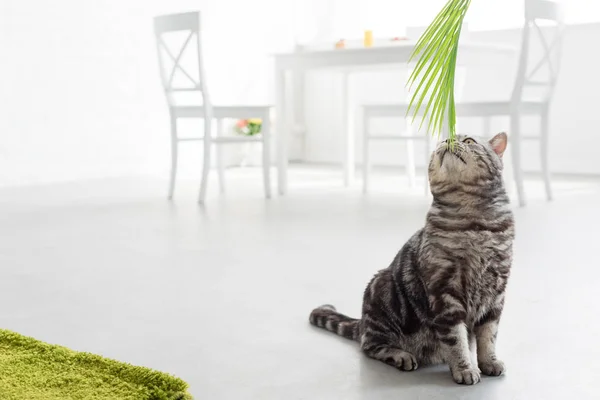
(33, 370)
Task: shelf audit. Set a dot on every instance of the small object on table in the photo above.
(398, 38)
(248, 127)
(368, 40)
(340, 44)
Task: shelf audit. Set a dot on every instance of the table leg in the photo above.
(410, 155)
(348, 130)
(410, 146)
(297, 118)
(281, 130)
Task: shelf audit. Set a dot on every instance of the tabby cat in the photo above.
(443, 294)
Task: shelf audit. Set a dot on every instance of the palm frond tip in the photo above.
(437, 50)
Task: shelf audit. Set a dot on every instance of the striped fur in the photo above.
(443, 293)
(328, 318)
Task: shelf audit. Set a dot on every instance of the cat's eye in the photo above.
(469, 141)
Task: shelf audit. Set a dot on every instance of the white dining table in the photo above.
(471, 54)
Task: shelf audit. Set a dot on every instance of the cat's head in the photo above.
(470, 161)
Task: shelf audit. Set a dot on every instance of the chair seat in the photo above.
(224, 139)
(385, 110)
(463, 109)
(237, 139)
(237, 111)
(488, 108)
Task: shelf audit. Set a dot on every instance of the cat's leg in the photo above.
(382, 324)
(381, 346)
(451, 330)
(486, 331)
(473, 348)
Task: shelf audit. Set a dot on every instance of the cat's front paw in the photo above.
(468, 376)
(492, 367)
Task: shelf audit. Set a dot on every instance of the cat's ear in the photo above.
(498, 143)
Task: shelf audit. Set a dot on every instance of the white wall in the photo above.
(574, 123)
(80, 95)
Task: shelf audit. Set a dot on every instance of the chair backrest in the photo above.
(544, 24)
(178, 43)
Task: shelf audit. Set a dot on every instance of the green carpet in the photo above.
(33, 370)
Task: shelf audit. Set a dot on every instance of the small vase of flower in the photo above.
(248, 127)
(250, 154)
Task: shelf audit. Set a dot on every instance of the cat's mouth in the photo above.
(446, 151)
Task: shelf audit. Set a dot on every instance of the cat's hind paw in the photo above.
(403, 360)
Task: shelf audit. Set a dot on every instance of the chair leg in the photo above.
(174, 152)
(487, 126)
(410, 155)
(206, 161)
(220, 157)
(366, 159)
(445, 133)
(516, 157)
(544, 153)
(266, 154)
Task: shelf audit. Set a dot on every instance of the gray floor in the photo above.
(220, 295)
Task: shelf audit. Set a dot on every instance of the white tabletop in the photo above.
(389, 54)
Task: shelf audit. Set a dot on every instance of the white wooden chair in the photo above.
(179, 81)
(521, 102)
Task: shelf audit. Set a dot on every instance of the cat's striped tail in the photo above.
(328, 318)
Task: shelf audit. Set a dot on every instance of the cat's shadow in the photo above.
(375, 374)
(378, 380)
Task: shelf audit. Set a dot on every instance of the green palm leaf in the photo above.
(434, 71)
